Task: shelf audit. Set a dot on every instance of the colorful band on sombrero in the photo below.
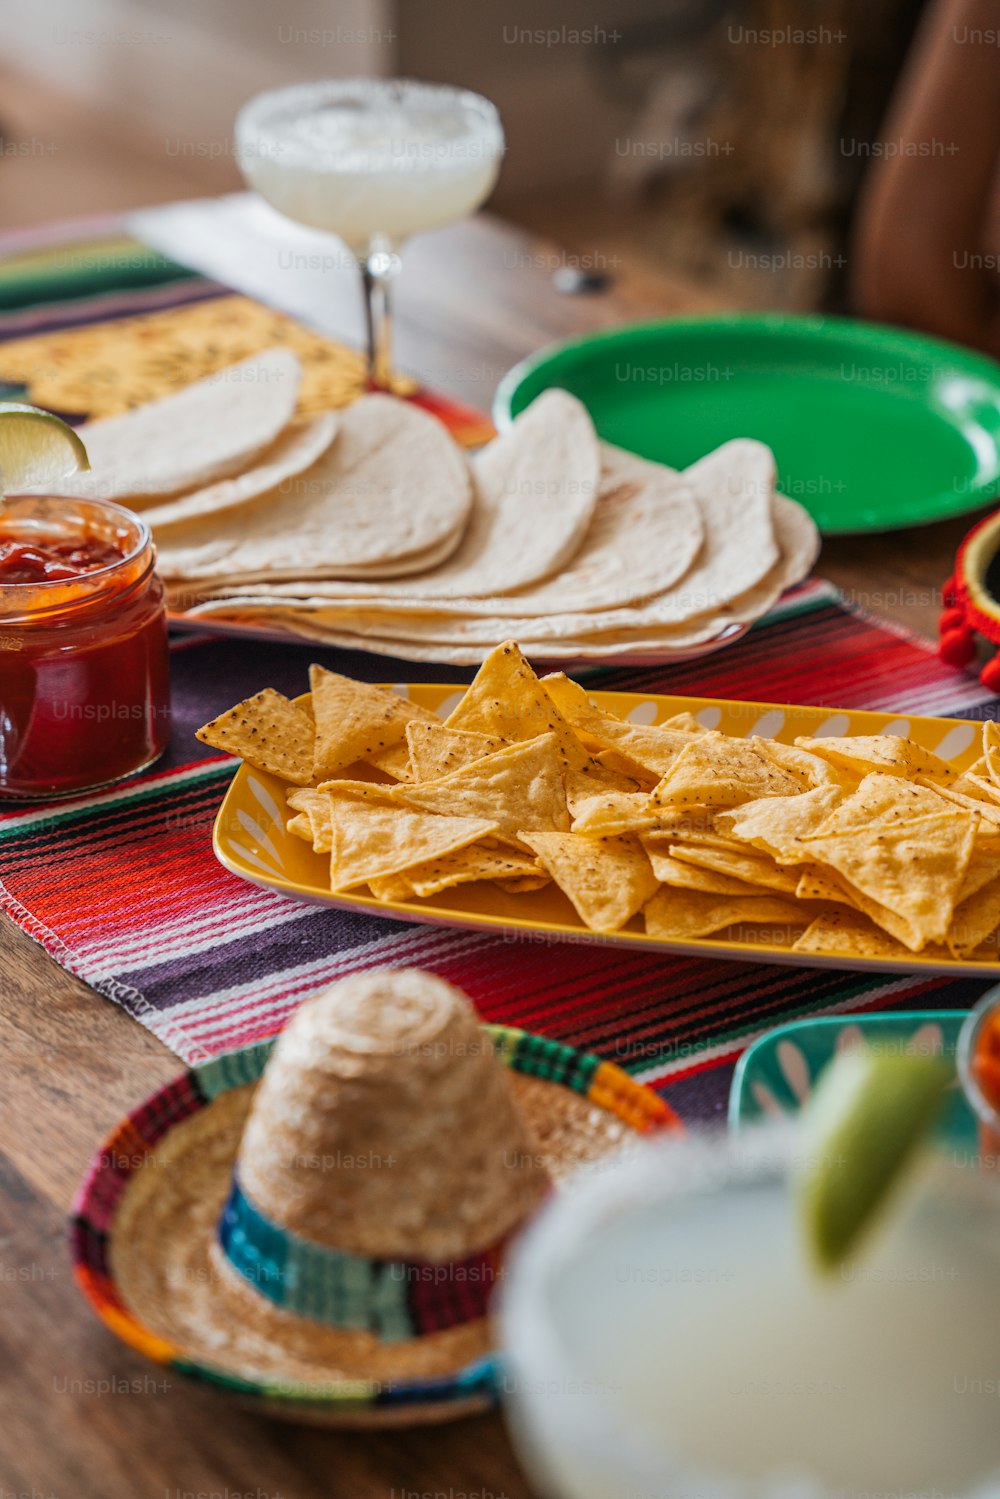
(393, 1299)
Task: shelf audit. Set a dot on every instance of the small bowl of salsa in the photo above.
(978, 1059)
(84, 676)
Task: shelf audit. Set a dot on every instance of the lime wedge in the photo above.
(36, 448)
(860, 1131)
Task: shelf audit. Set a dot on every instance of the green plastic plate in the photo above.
(873, 428)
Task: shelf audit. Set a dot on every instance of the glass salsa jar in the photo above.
(84, 676)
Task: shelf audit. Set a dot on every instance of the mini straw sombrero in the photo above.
(318, 1222)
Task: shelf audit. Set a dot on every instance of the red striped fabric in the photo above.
(122, 887)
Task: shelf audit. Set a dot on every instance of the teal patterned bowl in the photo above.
(775, 1075)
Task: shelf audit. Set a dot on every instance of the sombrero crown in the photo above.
(383, 1137)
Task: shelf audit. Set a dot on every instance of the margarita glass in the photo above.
(665, 1335)
(373, 161)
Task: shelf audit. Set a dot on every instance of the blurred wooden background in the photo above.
(720, 140)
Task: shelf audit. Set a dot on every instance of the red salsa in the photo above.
(84, 689)
(53, 560)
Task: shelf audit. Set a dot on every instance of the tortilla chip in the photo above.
(715, 771)
(862, 753)
(371, 791)
(469, 864)
(691, 825)
(607, 879)
(991, 750)
(302, 798)
(808, 769)
(976, 918)
(394, 762)
(649, 747)
(817, 883)
(984, 864)
(913, 868)
(300, 826)
(775, 823)
(373, 839)
(391, 889)
(571, 698)
(610, 813)
(436, 750)
(269, 732)
(982, 787)
(315, 807)
(900, 928)
(681, 876)
(883, 799)
(356, 721)
(846, 933)
(744, 866)
(965, 793)
(599, 780)
(518, 787)
(506, 699)
(685, 721)
(620, 765)
(688, 914)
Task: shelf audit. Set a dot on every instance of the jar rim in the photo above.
(965, 1057)
(143, 541)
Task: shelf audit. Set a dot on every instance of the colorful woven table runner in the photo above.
(123, 890)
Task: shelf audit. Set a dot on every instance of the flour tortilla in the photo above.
(294, 450)
(645, 533)
(308, 626)
(186, 595)
(536, 489)
(540, 479)
(734, 487)
(392, 488)
(192, 437)
(799, 544)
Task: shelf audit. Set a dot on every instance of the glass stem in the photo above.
(378, 268)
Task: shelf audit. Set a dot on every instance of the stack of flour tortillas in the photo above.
(370, 528)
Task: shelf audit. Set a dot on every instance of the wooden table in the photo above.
(81, 1415)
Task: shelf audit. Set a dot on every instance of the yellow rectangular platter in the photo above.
(250, 837)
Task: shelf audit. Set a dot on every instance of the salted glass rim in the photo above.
(258, 123)
(143, 541)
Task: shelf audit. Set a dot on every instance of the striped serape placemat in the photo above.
(123, 890)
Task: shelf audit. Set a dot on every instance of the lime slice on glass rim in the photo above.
(861, 1131)
(36, 448)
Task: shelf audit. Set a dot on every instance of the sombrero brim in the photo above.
(144, 1244)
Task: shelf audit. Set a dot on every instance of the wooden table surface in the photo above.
(80, 1414)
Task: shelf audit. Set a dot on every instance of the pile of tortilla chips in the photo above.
(852, 847)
